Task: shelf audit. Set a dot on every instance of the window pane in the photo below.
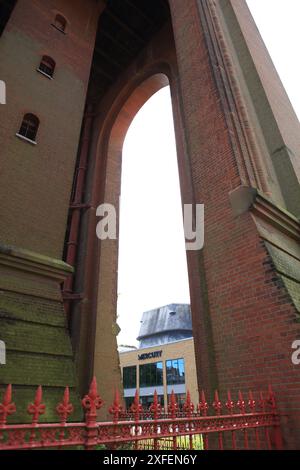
(175, 372)
(29, 126)
(47, 66)
(60, 22)
(129, 377)
(151, 375)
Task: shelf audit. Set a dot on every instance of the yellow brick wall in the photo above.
(178, 350)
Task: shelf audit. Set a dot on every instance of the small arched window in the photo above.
(47, 66)
(29, 127)
(60, 23)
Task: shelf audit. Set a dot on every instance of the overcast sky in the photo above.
(152, 262)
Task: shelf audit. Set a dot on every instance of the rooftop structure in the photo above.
(165, 325)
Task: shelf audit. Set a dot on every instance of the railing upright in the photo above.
(91, 403)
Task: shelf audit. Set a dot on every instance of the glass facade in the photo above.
(175, 371)
(129, 377)
(151, 375)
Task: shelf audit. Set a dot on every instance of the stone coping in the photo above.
(29, 261)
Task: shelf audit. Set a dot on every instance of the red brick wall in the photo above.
(35, 181)
(244, 320)
(253, 319)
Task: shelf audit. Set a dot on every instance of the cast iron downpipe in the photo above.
(76, 207)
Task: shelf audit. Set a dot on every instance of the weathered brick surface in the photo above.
(254, 321)
(38, 350)
(34, 206)
(244, 318)
(35, 186)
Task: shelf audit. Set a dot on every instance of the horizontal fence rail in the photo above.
(244, 424)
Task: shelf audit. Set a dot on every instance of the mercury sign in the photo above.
(150, 355)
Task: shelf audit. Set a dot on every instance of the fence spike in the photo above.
(37, 408)
(7, 407)
(136, 406)
(155, 408)
(66, 398)
(7, 395)
(93, 391)
(271, 398)
(203, 405)
(116, 407)
(251, 402)
(65, 408)
(92, 402)
(262, 402)
(38, 396)
(241, 403)
(217, 404)
(173, 406)
(188, 405)
(230, 403)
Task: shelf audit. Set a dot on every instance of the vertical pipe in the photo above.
(80, 174)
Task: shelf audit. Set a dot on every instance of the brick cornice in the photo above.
(245, 198)
(276, 216)
(30, 262)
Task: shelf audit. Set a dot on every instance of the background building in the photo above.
(165, 360)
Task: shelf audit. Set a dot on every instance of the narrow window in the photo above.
(175, 372)
(47, 66)
(151, 375)
(60, 23)
(29, 127)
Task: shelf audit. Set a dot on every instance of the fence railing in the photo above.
(245, 424)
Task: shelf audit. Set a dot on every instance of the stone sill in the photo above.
(22, 137)
(58, 29)
(45, 74)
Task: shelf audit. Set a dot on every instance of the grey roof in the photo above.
(124, 348)
(171, 318)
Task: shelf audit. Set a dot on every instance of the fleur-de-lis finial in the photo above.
(65, 408)
(251, 402)
(116, 407)
(136, 406)
(173, 406)
(92, 402)
(203, 405)
(188, 406)
(155, 408)
(7, 407)
(241, 403)
(217, 403)
(230, 403)
(37, 408)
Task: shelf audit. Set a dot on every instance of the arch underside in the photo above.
(224, 162)
(114, 115)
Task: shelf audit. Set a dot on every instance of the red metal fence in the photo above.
(244, 424)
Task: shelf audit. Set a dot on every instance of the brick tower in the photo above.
(238, 146)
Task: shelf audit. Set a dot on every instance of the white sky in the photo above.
(152, 262)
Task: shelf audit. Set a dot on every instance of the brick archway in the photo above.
(94, 331)
(234, 281)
